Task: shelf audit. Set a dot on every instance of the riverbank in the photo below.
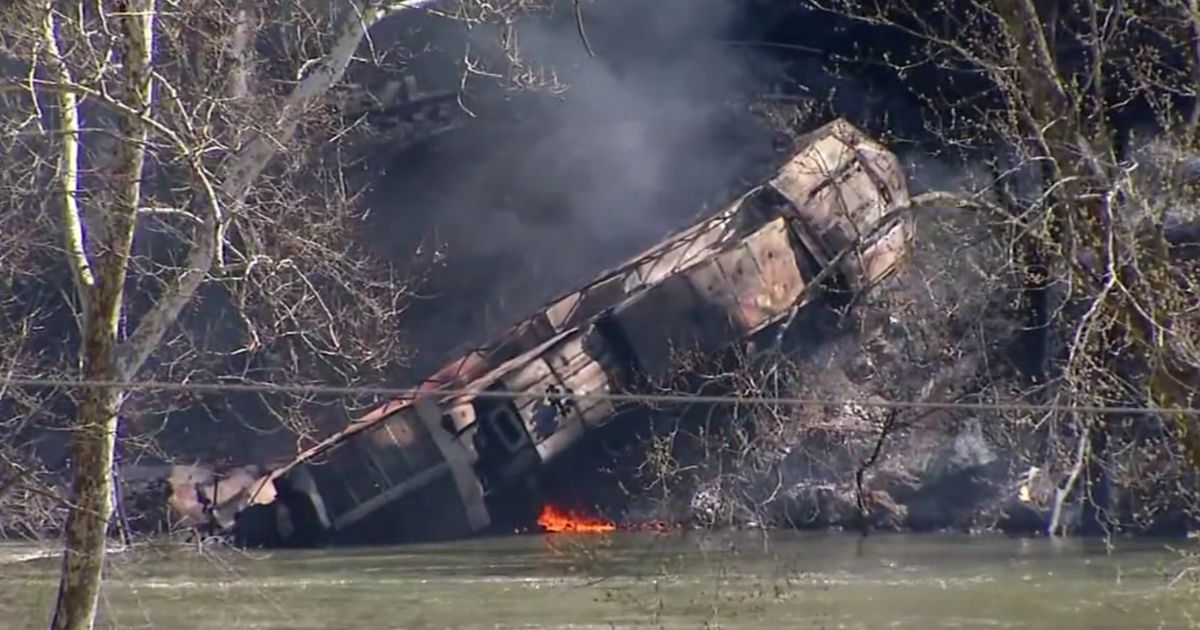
(730, 579)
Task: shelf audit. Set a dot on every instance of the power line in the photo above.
(392, 392)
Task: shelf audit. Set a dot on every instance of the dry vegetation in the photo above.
(1069, 94)
(1063, 273)
(175, 207)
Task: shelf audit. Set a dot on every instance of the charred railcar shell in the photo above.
(424, 468)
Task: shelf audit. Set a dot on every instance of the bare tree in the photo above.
(1083, 119)
(180, 163)
(1061, 91)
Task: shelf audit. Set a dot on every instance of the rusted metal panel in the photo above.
(410, 441)
(862, 202)
(841, 186)
(342, 479)
(836, 213)
(461, 414)
(587, 366)
(715, 302)
(882, 254)
(882, 258)
(506, 452)
(360, 477)
(770, 290)
(684, 250)
(463, 370)
(886, 168)
(716, 318)
(745, 283)
(530, 382)
(815, 219)
(653, 350)
(574, 364)
(581, 305)
(425, 508)
(581, 366)
(475, 516)
(525, 335)
(395, 456)
(389, 464)
(822, 160)
(386, 495)
(567, 434)
(689, 323)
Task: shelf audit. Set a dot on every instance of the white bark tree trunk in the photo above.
(100, 264)
(96, 418)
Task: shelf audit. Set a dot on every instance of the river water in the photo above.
(723, 580)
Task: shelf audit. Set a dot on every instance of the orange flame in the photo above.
(554, 520)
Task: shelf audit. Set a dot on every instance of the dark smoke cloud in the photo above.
(541, 193)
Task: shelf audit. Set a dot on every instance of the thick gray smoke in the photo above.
(542, 192)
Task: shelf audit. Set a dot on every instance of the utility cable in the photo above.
(393, 392)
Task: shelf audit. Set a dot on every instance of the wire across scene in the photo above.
(678, 398)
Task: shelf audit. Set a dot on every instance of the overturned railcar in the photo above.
(432, 466)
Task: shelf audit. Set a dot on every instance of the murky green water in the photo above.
(635, 580)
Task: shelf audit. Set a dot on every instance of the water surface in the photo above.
(742, 580)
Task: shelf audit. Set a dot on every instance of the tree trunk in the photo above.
(96, 416)
(101, 269)
(94, 443)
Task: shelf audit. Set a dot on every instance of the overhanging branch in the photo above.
(246, 166)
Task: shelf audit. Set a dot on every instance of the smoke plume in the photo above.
(540, 192)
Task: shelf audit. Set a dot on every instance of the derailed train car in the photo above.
(433, 466)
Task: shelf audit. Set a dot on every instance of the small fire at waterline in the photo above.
(556, 520)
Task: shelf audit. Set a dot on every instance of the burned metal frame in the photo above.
(429, 468)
